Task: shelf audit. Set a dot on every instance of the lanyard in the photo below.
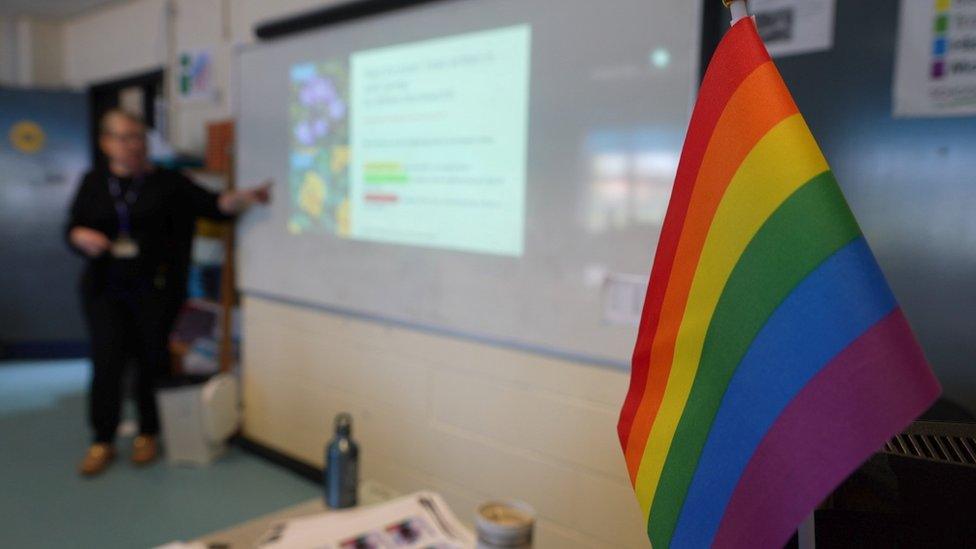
(125, 201)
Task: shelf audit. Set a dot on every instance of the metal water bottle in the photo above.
(341, 465)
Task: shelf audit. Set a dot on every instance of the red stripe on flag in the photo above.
(737, 56)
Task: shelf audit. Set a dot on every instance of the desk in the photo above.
(247, 534)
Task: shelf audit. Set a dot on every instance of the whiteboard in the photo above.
(608, 94)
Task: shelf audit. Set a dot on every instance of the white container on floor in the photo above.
(198, 419)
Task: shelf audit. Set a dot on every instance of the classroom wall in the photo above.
(47, 54)
(35, 189)
(31, 187)
(470, 421)
(153, 33)
(30, 52)
(15, 51)
(8, 51)
(115, 41)
(221, 26)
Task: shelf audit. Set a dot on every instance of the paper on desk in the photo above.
(420, 520)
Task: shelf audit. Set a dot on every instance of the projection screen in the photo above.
(493, 169)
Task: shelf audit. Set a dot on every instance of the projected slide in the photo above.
(418, 144)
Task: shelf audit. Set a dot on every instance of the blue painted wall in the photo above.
(39, 309)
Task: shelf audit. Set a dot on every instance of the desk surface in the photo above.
(247, 534)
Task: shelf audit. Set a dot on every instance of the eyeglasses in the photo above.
(126, 137)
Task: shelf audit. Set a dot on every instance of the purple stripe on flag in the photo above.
(865, 395)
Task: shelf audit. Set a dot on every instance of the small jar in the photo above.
(505, 524)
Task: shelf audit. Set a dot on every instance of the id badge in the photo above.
(124, 247)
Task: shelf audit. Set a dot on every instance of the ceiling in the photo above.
(54, 9)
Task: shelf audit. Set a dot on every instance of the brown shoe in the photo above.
(97, 459)
(144, 449)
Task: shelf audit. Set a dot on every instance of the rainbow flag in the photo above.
(772, 359)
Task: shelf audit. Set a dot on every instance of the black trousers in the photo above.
(127, 328)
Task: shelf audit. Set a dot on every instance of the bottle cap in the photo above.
(343, 424)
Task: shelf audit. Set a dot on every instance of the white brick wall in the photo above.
(468, 420)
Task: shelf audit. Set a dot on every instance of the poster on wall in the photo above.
(935, 72)
(793, 27)
(45, 142)
(196, 79)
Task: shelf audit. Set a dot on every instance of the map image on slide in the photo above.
(319, 176)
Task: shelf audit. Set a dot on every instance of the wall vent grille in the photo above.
(942, 442)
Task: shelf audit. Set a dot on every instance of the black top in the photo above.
(162, 219)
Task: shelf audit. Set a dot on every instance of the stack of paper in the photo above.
(420, 520)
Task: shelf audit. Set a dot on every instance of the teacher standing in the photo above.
(135, 224)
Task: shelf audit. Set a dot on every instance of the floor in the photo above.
(44, 503)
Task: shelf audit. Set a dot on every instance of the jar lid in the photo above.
(505, 523)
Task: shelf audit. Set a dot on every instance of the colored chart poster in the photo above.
(935, 73)
(794, 27)
(419, 144)
(196, 78)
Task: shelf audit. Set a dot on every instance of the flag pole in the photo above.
(738, 8)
